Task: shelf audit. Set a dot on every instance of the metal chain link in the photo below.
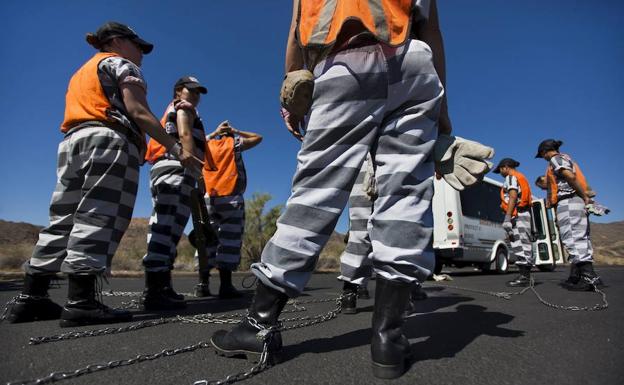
(93, 368)
(262, 365)
(509, 295)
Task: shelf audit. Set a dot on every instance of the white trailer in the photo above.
(468, 229)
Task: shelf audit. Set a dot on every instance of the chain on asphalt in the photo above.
(234, 318)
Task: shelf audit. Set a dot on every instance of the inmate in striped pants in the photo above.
(91, 207)
(227, 217)
(521, 245)
(355, 264)
(375, 99)
(170, 185)
(574, 229)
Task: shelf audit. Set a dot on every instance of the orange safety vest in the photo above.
(320, 21)
(155, 150)
(221, 182)
(525, 196)
(85, 98)
(552, 182)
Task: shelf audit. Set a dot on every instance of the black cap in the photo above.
(112, 29)
(547, 145)
(505, 162)
(191, 83)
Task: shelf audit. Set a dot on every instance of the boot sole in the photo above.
(274, 358)
(388, 372)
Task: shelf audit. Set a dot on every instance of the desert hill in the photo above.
(18, 238)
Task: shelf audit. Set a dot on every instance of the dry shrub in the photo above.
(13, 256)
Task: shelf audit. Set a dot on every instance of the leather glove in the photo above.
(461, 162)
(296, 92)
(507, 226)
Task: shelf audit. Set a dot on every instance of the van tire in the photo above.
(502, 261)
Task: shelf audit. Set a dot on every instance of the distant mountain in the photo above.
(17, 240)
(608, 242)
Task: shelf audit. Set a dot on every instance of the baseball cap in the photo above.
(190, 82)
(547, 145)
(112, 29)
(505, 162)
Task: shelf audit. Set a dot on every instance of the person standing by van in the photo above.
(569, 191)
(516, 204)
(375, 88)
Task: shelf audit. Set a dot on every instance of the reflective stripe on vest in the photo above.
(85, 98)
(552, 182)
(221, 182)
(320, 21)
(525, 194)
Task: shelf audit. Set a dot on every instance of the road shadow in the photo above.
(446, 334)
(430, 304)
(196, 306)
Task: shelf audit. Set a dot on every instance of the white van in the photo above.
(468, 229)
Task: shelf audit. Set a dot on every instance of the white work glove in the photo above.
(507, 226)
(461, 162)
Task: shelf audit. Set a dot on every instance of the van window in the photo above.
(482, 201)
(537, 218)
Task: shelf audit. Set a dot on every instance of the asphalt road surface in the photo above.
(457, 337)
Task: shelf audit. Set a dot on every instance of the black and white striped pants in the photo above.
(375, 99)
(92, 204)
(170, 185)
(227, 217)
(355, 265)
(520, 241)
(573, 225)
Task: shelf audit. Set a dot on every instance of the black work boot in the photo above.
(226, 289)
(169, 291)
(33, 304)
(575, 276)
(523, 279)
(157, 294)
(202, 289)
(362, 292)
(390, 348)
(417, 294)
(244, 339)
(588, 279)
(349, 298)
(84, 308)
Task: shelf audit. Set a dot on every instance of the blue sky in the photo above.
(517, 73)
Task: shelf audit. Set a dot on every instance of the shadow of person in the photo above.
(450, 332)
(362, 337)
(430, 304)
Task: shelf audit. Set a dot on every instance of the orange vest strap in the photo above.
(320, 22)
(85, 99)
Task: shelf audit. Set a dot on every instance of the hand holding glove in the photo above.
(461, 162)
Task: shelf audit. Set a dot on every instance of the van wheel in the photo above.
(502, 263)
